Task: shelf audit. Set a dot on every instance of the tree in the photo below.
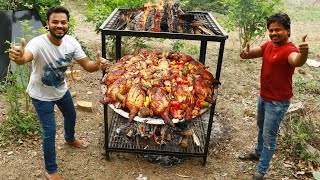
(204, 5)
(248, 17)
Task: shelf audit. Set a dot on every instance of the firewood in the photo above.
(130, 132)
(184, 141)
(195, 138)
(205, 30)
(137, 23)
(168, 134)
(151, 20)
(175, 18)
(164, 21)
(196, 30)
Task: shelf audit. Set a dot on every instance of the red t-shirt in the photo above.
(276, 72)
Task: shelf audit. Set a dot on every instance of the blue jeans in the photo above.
(269, 117)
(45, 111)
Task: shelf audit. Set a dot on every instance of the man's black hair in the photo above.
(281, 18)
(57, 9)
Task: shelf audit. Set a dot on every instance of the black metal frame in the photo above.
(220, 36)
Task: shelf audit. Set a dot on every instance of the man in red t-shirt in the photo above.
(279, 59)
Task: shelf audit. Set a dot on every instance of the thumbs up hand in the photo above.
(245, 52)
(303, 47)
(100, 61)
(16, 52)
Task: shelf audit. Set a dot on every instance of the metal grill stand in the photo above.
(116, 143)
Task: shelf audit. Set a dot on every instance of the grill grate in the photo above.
(120, 141)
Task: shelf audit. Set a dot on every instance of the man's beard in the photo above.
(55, 36)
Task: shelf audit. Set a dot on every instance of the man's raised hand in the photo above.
(245, 52)
(303, 47)
(101, 62)
(16, 52)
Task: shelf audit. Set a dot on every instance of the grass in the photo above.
(306, 11)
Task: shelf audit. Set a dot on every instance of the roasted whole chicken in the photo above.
(185, 101)
(154, 83)
(160, 103)
(134, 100)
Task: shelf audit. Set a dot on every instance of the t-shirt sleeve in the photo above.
(32, 46)
(78, 51)
(264, 46)
(292, 48)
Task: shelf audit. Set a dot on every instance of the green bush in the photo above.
(248, 17)
(40, 6)
(204, 5)
(99, 10)
(299, 130)
(21, 121)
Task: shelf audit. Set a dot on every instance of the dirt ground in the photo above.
(234, 130)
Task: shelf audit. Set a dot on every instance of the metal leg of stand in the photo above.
(107, 156)
(204, 162)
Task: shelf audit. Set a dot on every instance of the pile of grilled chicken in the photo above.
(149, 83)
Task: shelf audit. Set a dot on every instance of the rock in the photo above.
(73, 94)
(295, 108)
(85, 106)
(313, 151)
(313, 63)
(73, 73)
(38, 173)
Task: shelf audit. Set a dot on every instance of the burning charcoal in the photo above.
(169, 161)
(152, 22)
(122, 130)
(166, 161)
(157, 131)
(168, 133)
(164, 135)
(184, 128)
(158, 138)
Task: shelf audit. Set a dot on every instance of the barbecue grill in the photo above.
(116, 143)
